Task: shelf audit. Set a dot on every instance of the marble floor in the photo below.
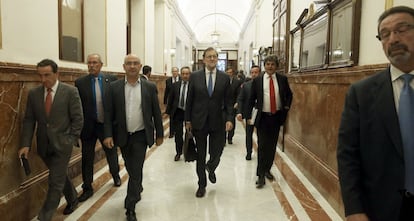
(169, 191)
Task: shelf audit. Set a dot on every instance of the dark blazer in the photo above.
(201, 107)
(244, 98)
(168, 84)
(64, 124)
(256, 98)
(174, 98)
(115, 115)
(235, 89)
(84, 85)
(370, 153)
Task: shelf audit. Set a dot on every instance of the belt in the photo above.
(135, 132)
(269, 114)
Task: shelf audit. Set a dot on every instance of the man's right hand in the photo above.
(357, 217)
(239, 117)
(109, 142)
(24, 152)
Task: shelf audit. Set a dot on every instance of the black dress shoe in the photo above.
(248, 157)
(86, 194)
(211, 175)
(201, 191)
(230, 141)
(70, 207)
(269, 176)
(177, 157)
(260, 182)
(131, 216)
(117, 181)
(171, 136)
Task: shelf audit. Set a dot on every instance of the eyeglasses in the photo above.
(212, 57)
(93, 62)
(132, 63)
(401, 29)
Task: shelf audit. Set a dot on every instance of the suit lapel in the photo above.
(383, 93)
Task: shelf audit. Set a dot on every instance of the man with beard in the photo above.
(375, 144)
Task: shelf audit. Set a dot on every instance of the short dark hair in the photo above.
(48, 62)
(185, 67)
(395, 10)
(272, 58)
(209, 49)
(146, 69)
(254, 66)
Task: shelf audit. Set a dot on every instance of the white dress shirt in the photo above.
(133, 107)
(266, 92)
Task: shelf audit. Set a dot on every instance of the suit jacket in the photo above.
(370, 153)
(61, 129)
(84, 85)
(244, 98)
(115, 114)
(174, 98)
(168, 84)
(235, 89)
(201, 107)
(256, 98)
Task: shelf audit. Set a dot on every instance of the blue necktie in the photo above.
(406, 117)
(210, 84)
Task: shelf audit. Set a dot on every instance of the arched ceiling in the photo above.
(225, 17)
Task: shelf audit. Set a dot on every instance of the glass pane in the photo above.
(314, 43)
(282, 40)
(295, 51)
(276, 37)
(341, 36)
(71, 30)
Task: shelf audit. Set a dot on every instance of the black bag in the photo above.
(189, 149)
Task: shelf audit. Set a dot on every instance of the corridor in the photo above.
(169, 191)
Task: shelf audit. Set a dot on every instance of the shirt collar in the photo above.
(137, 82)
(213, 71)
(54, 87)
(396, 73)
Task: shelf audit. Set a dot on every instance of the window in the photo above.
(280, 28)
(71, 30)
(328, 38)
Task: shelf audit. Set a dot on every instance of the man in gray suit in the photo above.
(132, 113)
(208, 97)
(55, 110)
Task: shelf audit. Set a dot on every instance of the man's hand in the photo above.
(357, 217)
(159, 141)
(188, 126)
(239, 117)
(24, 152)
(249, 122)
(109, 142)
(229, 125)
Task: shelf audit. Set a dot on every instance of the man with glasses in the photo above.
(92, 88)
(375, 143)
(132, 115)
(207, 98)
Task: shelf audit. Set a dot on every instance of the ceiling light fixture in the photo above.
(215, 35)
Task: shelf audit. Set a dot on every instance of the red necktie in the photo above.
(272, 96)
(48, 101)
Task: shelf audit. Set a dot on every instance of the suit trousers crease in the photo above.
(215, 149)
(134, 156)
(249, 137)
(58, 182)
(88, 156)
(178, 124)
(267, 134)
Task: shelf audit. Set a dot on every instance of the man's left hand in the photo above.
(229, 126)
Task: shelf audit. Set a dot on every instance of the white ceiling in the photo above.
(226, 17)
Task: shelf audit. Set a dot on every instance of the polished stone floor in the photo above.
(169, 191)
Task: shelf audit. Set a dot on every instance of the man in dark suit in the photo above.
(168, 83)
(176, 108)
(272, 97)
(242, 105)
(375, 146)
(91, 89)
(208, 97)
(132, 113)
(146, 72)
(235, 84)
(55, 110)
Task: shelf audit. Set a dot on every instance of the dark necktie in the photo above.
(210, 84)
(406, 118)
(182, 96)
(272, 96)
(48, 101)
